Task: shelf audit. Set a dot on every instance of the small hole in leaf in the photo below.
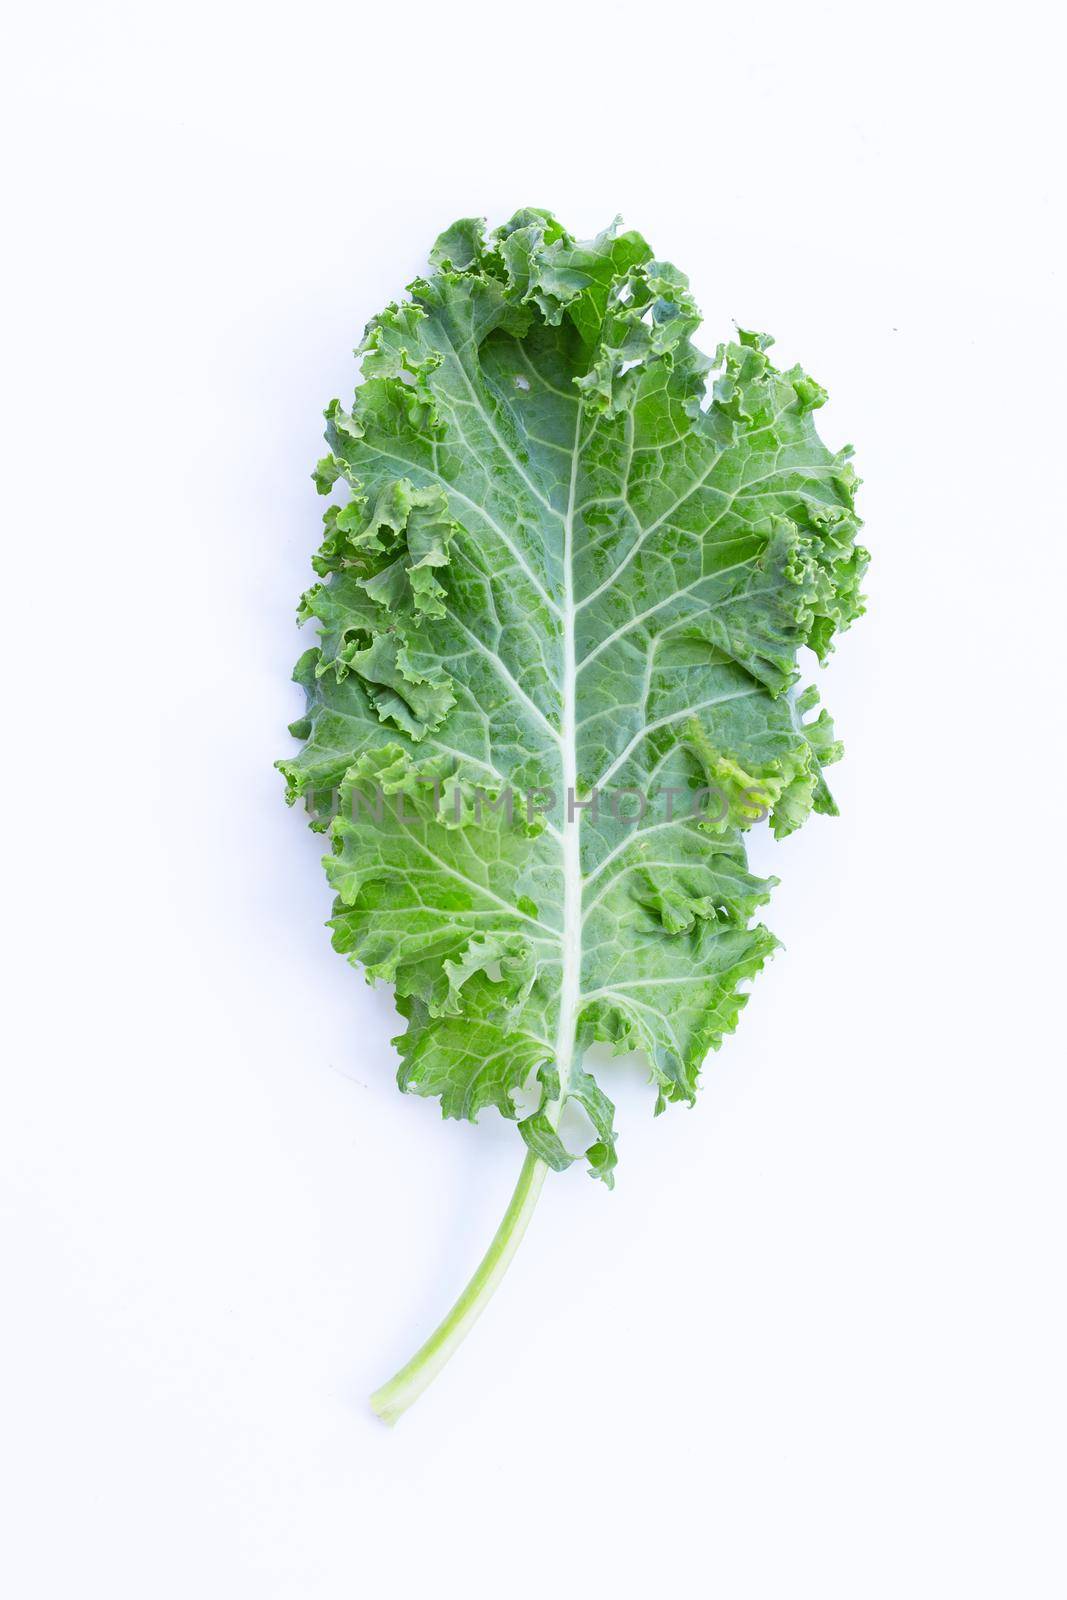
(575, 1128)
(527, 1098)
(521, 382)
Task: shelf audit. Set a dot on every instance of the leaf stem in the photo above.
(393, 1398)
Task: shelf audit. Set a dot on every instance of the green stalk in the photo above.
(394, 1397)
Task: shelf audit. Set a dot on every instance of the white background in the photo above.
(814, 1342)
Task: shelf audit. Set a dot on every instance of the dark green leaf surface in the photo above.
(576, 554)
